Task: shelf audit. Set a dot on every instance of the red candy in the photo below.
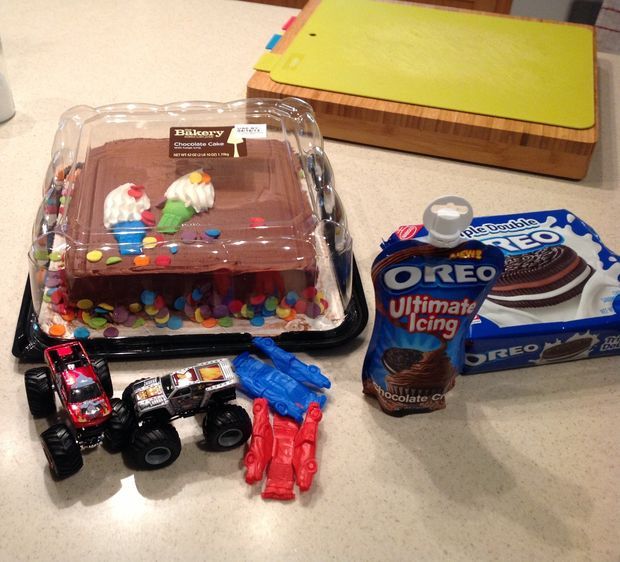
(56, 297)
(135, 193)
(235, 306)
(148, 218)
(300, 306)
(257, 300)
(256, 221)
(309, 293)
(159, 302)
(163, 261)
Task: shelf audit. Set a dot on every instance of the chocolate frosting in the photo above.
(433, 371)
(263, 184)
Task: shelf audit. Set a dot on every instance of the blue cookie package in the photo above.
(559, 299)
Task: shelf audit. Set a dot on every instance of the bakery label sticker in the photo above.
(206, 142)
(252, 130)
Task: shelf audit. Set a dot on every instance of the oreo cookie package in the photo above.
(427, 292)
(557, 300)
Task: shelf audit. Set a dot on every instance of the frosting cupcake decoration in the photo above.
(123, 211)
(186, 196)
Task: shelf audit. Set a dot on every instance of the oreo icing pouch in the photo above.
(427, 292)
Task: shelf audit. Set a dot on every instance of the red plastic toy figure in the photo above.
(287, 452)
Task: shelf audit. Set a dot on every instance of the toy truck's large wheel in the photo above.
(119, 426)
(155, 447)
(39, 392)
(127, 393)
(226, 426)
(100, 366)
(62, 451)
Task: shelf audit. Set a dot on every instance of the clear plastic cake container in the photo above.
(188, 228)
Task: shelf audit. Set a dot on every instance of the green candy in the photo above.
(139, 322)
(225, 322)
(54, 256)
(47, 298)
(271, 304)
(40, 254)
(112, 260)
(96, 322)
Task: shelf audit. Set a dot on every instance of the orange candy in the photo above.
(70, 315)
(209, 322)
(141, 261)
(57, 330)
(206, 178)
(291, 316)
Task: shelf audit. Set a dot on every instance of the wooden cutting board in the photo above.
(498, 90)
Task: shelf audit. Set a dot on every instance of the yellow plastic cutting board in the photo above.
(500, 66)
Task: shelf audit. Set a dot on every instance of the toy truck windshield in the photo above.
(84, 392)
(166, 383)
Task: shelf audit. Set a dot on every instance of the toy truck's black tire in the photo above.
(120, 425)
(226, 426)
(155, 447)
(62, 451)
(100, 367)
(127, 393)
(39, 392)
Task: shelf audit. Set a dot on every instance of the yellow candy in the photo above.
(105, 306)
(163, 320)
(282, 312)
(247, 312)
(86, 317)
(199, 318)
(149, 242)
(319, 297)
(135, 307)
(94, 256)
(85, 304)
(195, 177)
(151, 310)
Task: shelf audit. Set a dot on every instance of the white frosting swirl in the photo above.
(198, 195)
(119, 206)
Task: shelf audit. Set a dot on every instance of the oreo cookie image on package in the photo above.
(557, 300)
(573, 348)
(541, 278)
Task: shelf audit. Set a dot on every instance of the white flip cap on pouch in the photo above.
(445, 219)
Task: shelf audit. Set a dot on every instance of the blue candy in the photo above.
(291, 298)
(81, 333)
(257, 321)
(147, 297)
(175, 323)
(179, 303)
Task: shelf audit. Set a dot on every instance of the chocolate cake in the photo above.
(254, 245)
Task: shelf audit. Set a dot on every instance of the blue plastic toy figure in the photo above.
(289, 364)
(284, 394)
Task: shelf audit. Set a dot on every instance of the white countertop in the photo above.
(522, 465)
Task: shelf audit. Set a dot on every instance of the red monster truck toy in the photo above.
(84, 388)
